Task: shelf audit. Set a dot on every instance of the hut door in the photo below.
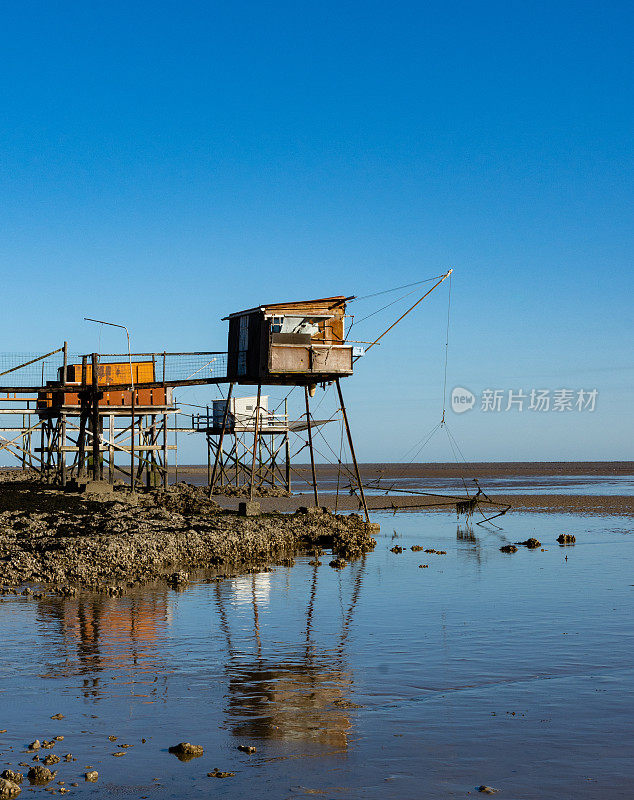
(243, 344)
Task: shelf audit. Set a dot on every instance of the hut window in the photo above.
(276, 326)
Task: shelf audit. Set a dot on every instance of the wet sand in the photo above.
(619, 505)
(475, 469)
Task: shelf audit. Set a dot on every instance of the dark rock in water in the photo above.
(185, 751)
(218, 774)
(338, 563)
(507, 548)
(343, 703)
(416, 548)
(315, 563)
(69, 757)
(48, 744)
(423, 566)
(35, 745)
(396, 549)
(531, 543)
(51, 758)
(246, 748)
(487, 789)
(39, 776)
(91, 776)
(57, 716)
(566, 538)
(9, 788)
(178, 579)
(10, 775)
(112, 738)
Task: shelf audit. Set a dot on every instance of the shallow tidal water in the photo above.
(382, 680)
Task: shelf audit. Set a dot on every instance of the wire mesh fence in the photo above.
(36, 369)
(174, 366)
(30, 369)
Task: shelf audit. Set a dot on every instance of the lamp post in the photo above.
(127, 333)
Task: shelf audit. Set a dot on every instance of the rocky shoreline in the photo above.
(66, 542)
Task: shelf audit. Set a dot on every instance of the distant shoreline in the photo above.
(490, 469)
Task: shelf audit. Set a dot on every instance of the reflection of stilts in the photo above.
(289, 699)
(91, 629)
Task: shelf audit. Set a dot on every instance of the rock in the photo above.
(218, 774)
(91, 776)
(396, 549)
(178, 579)
(9, 788)
(416, 548)
(119, 753)
(10, 775)
(487, 789)
(35, 745)
(39, 776)
(507, 548)
(566, 538)
(249, 508)
(185, 751)
(531, 543)
(48, 744)
(51, 758)
(246, 748)
(311, 510)
(112, 738)
(423, 566)
(57, 716)
(338, 563)
(69, 757)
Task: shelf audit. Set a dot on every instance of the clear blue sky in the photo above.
(163, 164)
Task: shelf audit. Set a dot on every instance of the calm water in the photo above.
(382, 680)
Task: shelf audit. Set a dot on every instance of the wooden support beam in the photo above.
(310, 446)
(352, 453)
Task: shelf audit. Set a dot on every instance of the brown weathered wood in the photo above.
(352, 453)
(255, 440)
(212, 481)
(310, 446)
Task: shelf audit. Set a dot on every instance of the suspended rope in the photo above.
(396, 288)
(444, 384)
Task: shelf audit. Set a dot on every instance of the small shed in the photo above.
(289, 343)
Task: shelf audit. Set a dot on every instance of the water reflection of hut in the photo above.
(301, 701)
(95, 631)
(304, 699)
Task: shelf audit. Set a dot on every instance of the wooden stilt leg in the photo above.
(354, 458)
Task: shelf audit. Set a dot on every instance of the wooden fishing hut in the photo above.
(84, 414)
(300, 343)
